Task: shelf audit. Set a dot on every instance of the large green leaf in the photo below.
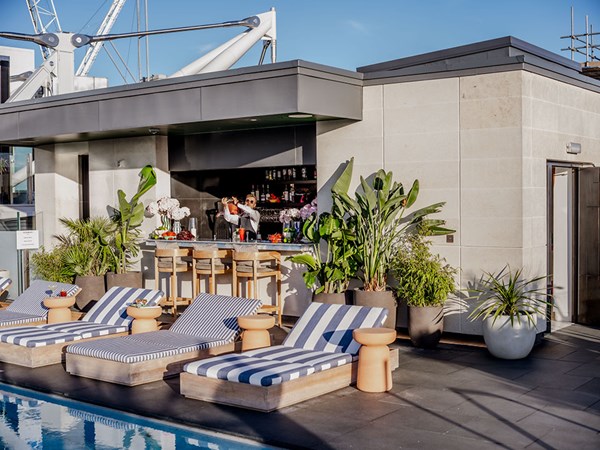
(342, 184)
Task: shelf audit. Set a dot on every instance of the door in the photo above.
(588, 230)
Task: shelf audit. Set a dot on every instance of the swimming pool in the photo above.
(31, 419)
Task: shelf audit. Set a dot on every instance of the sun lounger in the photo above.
(35, 346)
(207, 327)
(4, 284)
(28, 308)
(318, 356)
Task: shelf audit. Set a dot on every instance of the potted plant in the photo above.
(88, 255)
(509, 305)
(49, 265)
(331, 265)
(128, 219)
(376, 215)
(423, 282)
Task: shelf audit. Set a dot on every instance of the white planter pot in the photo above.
(509, 341)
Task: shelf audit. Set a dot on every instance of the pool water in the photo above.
(29, 419)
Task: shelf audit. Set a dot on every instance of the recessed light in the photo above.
(299, 116)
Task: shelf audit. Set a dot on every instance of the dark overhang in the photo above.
(496, 55)
(280, 94)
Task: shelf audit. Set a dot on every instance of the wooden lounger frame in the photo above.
(270, 398)
(133, 374)
(33, 357)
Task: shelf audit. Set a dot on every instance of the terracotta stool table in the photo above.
(58, 308)
(144, 318)
(374, 373)
(255, 333)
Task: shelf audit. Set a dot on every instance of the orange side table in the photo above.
(374, 372)
(58, 308)
(144, 319)
(255, 333)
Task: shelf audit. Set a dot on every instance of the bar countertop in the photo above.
(262, 245)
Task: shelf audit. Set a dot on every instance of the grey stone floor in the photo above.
(454, 397)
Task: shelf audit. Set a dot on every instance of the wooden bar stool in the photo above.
(252, 266)
(168, 260)
(211, 262)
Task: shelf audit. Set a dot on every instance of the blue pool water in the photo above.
(29, 419)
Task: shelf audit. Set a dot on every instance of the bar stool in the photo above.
(252, 266)
(211, 262)
(168, 260)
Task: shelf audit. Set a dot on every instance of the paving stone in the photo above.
(491, 405)
(543, 397)
(590, 369)
(551, 380)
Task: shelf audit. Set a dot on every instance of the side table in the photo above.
(374, 372)
(255, 333)
(144, 319)
(58, 308)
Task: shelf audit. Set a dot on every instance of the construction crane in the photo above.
(44, 19)
(105, 27)
(57, 72)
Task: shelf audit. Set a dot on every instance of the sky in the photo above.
(340, 33)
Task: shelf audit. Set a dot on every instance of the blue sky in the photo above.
(341, 33)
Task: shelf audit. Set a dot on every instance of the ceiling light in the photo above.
(299, 116)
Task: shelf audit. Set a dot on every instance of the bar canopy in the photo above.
(280, 94)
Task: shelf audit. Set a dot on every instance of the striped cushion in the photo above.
(4, 283)
(243, 369)
(86, 329)
(214, 316)
(35, 336)
(10, 318)
(142, 347)
(329, 328)
(319, 361)
(111, 309)
(31, 301)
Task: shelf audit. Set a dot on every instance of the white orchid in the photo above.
(179, 213)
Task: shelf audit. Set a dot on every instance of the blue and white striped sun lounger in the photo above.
(35, 346)
(317, 357)
(207, 327)
(28, 308)
(4, 284)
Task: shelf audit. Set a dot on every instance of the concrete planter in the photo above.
(330, 299)
(92, 289)
(128, 279)
(425, 325)
(382, 299)
(509, 341)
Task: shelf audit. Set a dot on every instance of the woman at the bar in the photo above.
(247, 217)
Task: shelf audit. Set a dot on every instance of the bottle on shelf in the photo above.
(303, 172)
(257, 193)
(284, 195)
(292, 193)
(293, 173)
(262, 197)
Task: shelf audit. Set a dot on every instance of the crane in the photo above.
(57, 71)
(44, 19)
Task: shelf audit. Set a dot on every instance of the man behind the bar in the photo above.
(247, 217)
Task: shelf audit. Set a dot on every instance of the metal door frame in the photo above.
(551, 165)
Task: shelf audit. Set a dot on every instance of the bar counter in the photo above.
(227, 245)
(295, 296)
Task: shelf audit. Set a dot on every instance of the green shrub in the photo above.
(50, 265)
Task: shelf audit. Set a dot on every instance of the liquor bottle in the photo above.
(262, 195)
(257, 193)
(293, 173)
(292, 193)
(284, 196)
(267, 194)
(267, 174)
(303, 171)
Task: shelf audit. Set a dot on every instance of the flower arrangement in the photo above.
(287, 215)
(168, 208)
(308, 210)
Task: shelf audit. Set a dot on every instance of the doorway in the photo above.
(574, 243)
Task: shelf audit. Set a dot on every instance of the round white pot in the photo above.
(509, 341)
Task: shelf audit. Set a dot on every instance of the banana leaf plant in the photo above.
(128, 219)
(378, 215)
(331, 265)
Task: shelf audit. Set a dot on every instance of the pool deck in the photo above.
(454, 397)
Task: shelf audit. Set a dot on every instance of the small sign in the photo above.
(28, 239)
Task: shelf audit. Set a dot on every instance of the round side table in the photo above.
(255, 333)
(144, 319)
(58, 308)
(374, 373)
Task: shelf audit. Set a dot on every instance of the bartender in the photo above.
(247, 217)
